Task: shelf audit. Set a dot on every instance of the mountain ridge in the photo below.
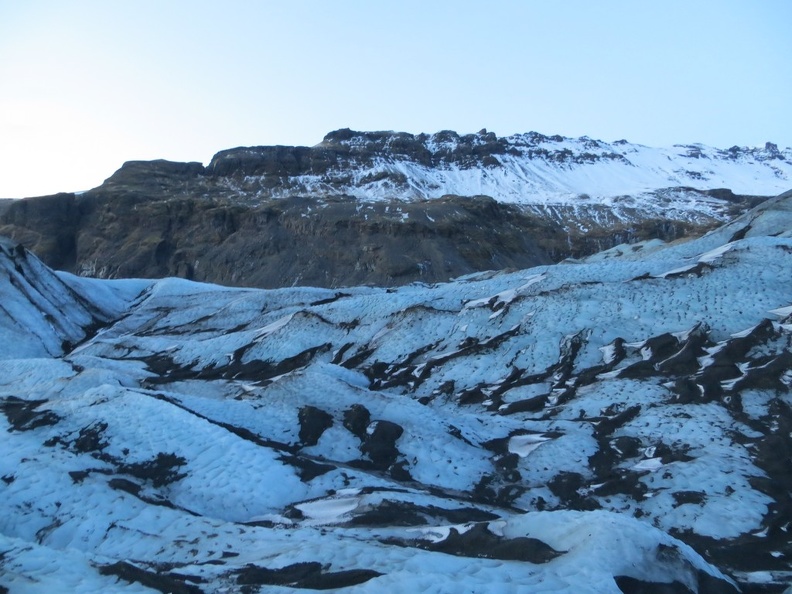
(390, 208)
(370, 166)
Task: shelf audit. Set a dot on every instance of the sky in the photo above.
(86, 85)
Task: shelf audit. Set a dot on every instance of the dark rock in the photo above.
(661, 347)
(499, 445)
(332, 299)
(313, 423)
(406, 513)
(630, 585)
(306, 469)
(23, 416)
(262, 370)
(628, 483)
(709, 584)
(692, 497)
(473, 395)
(507, 462)
(91, 438)
(533, 404)
(478, 541)
(284, 576)
(609, 425)
(162, 582)
(357, 358)
(687, 391)
(78, 476)
(685, 361)
(356, 420)
(380, 443)
(667, 454)
(255, 370)
(338, 579)
(567, 486)
(457, 433)
(160, 470)
(391, 513)
(767, 376)
(122, 484)
(724, 360)
(627, 446)
(638, 370)
(565, 483)
(398, 471)
(304, 575)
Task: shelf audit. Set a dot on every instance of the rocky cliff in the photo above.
(280, 243)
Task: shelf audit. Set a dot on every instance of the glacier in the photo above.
(618, 423)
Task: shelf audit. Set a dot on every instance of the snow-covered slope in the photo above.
(587, 427)
(527, 169)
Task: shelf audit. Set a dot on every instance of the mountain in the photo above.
(529, 169)
(390, 208)
(617, 424)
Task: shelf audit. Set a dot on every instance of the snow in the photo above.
(650, 464)
(328, 511)
(31, 568)
(523, 445)
(712, 255)
(540, 171)
(782, 312)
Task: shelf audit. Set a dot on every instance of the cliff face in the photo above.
(281, 243)
(384, 208)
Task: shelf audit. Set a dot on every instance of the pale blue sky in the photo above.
(88, 84)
